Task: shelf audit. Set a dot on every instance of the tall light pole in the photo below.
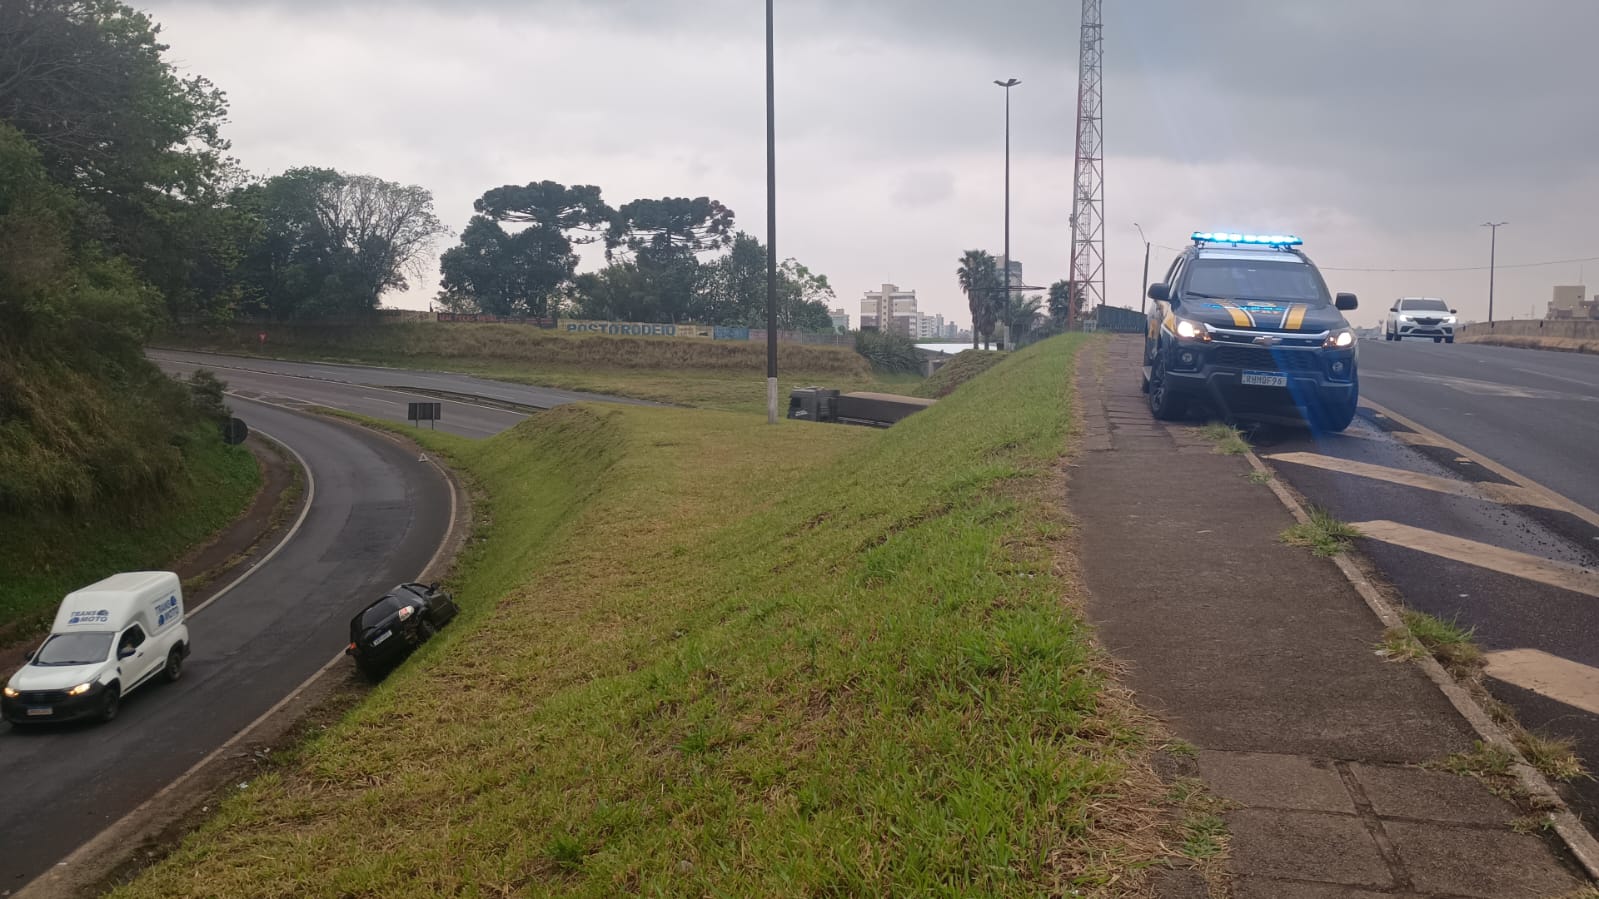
(1493, 251)
(1143, 298)
(771, 228)
(1010, 343)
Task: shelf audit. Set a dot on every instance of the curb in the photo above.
(1582, 844)
(107, 851)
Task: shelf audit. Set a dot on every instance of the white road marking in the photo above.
(1498, 493)
(1483, 555)
(1562, 680)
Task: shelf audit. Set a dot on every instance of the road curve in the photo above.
(378, 516)
(382, 392)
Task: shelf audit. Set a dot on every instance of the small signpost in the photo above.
(234, 432)
(416, 413)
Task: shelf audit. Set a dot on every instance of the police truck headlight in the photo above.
(1338, 340)
(1188, 330)
(80, 689)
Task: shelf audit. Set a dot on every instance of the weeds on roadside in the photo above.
(1323, 534)
(1555, 757)
(1259, 476)
(1228, 439)
(1482, 761)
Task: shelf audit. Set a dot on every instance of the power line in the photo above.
(1465, 268)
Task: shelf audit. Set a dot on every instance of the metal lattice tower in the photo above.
(1088, 198)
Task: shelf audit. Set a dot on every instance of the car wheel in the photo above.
(427, 630)
(1164, 404)
(174, 667)
(1449, 340)
(369, 671)
(1437, 340)
(111, 703)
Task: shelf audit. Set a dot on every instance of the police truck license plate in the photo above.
(1265, 379)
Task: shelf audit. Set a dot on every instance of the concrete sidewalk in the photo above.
(1263, 656)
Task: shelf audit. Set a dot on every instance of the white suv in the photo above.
(1420, 317)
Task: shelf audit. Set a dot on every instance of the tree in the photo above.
(85, 82)
(505, 274)
(1020, 315)
(332, 244)
(519, 272)
(1065, 304)
(550, 205)
(670, 228)
(979, 279)
(804, 299)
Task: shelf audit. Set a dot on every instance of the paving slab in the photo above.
(1481, 863)
(1306, 846)
(1431, 795)
(1268, 780)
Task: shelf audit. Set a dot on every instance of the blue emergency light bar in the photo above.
(1259, 240)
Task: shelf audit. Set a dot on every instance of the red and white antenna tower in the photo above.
(1088, 197)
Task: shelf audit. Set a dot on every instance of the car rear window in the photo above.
(1424, 305)
(1248, 279)
(380, 610)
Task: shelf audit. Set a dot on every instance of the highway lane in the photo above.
(1533, 410)
(230, 368)
(1479, 544)
(377, 518)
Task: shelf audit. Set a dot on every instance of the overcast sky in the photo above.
(1383, 132)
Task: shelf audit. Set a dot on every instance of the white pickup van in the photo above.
(109, 639)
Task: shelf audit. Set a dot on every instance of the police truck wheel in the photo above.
(1163, 403)
(174, 666)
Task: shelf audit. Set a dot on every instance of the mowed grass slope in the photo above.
(712, 374)
(705, 656)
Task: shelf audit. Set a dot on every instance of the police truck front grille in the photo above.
(1257, 358)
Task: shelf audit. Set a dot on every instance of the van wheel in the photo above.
(112, 701)
(427, 630)
(174, 668)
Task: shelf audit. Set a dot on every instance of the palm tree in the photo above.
(1021, 315)
(979, 280)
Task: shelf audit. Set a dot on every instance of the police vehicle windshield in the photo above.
(1257, 279)
(75, 649)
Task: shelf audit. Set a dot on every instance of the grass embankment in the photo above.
(966, 365)
(700, 656)
(710, 374)
(47, 554)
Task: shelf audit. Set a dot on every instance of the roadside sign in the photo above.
(234, 432)
(428, 412)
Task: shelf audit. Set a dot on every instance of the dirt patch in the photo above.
(1558, 344)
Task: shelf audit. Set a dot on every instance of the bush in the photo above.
(890, 353)
(206, 391)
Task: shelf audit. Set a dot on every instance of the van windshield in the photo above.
(75, 649)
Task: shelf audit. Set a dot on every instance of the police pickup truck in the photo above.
(1244, 324)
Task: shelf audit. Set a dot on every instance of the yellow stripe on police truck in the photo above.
(1296, 317)
(1240, 317)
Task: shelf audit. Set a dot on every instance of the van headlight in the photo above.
(1338, 340)
(10, 693)
(81, 689)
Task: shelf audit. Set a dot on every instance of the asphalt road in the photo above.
(469, 402)
(377, 518)
(1474, 542)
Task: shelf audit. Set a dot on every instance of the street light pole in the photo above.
(1143, 298)
(1010, 342)
(1493, 251)
(771, 228)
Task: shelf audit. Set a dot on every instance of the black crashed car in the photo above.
(385, 632)
(1245, 325)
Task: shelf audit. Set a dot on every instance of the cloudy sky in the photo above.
(1383, 132)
